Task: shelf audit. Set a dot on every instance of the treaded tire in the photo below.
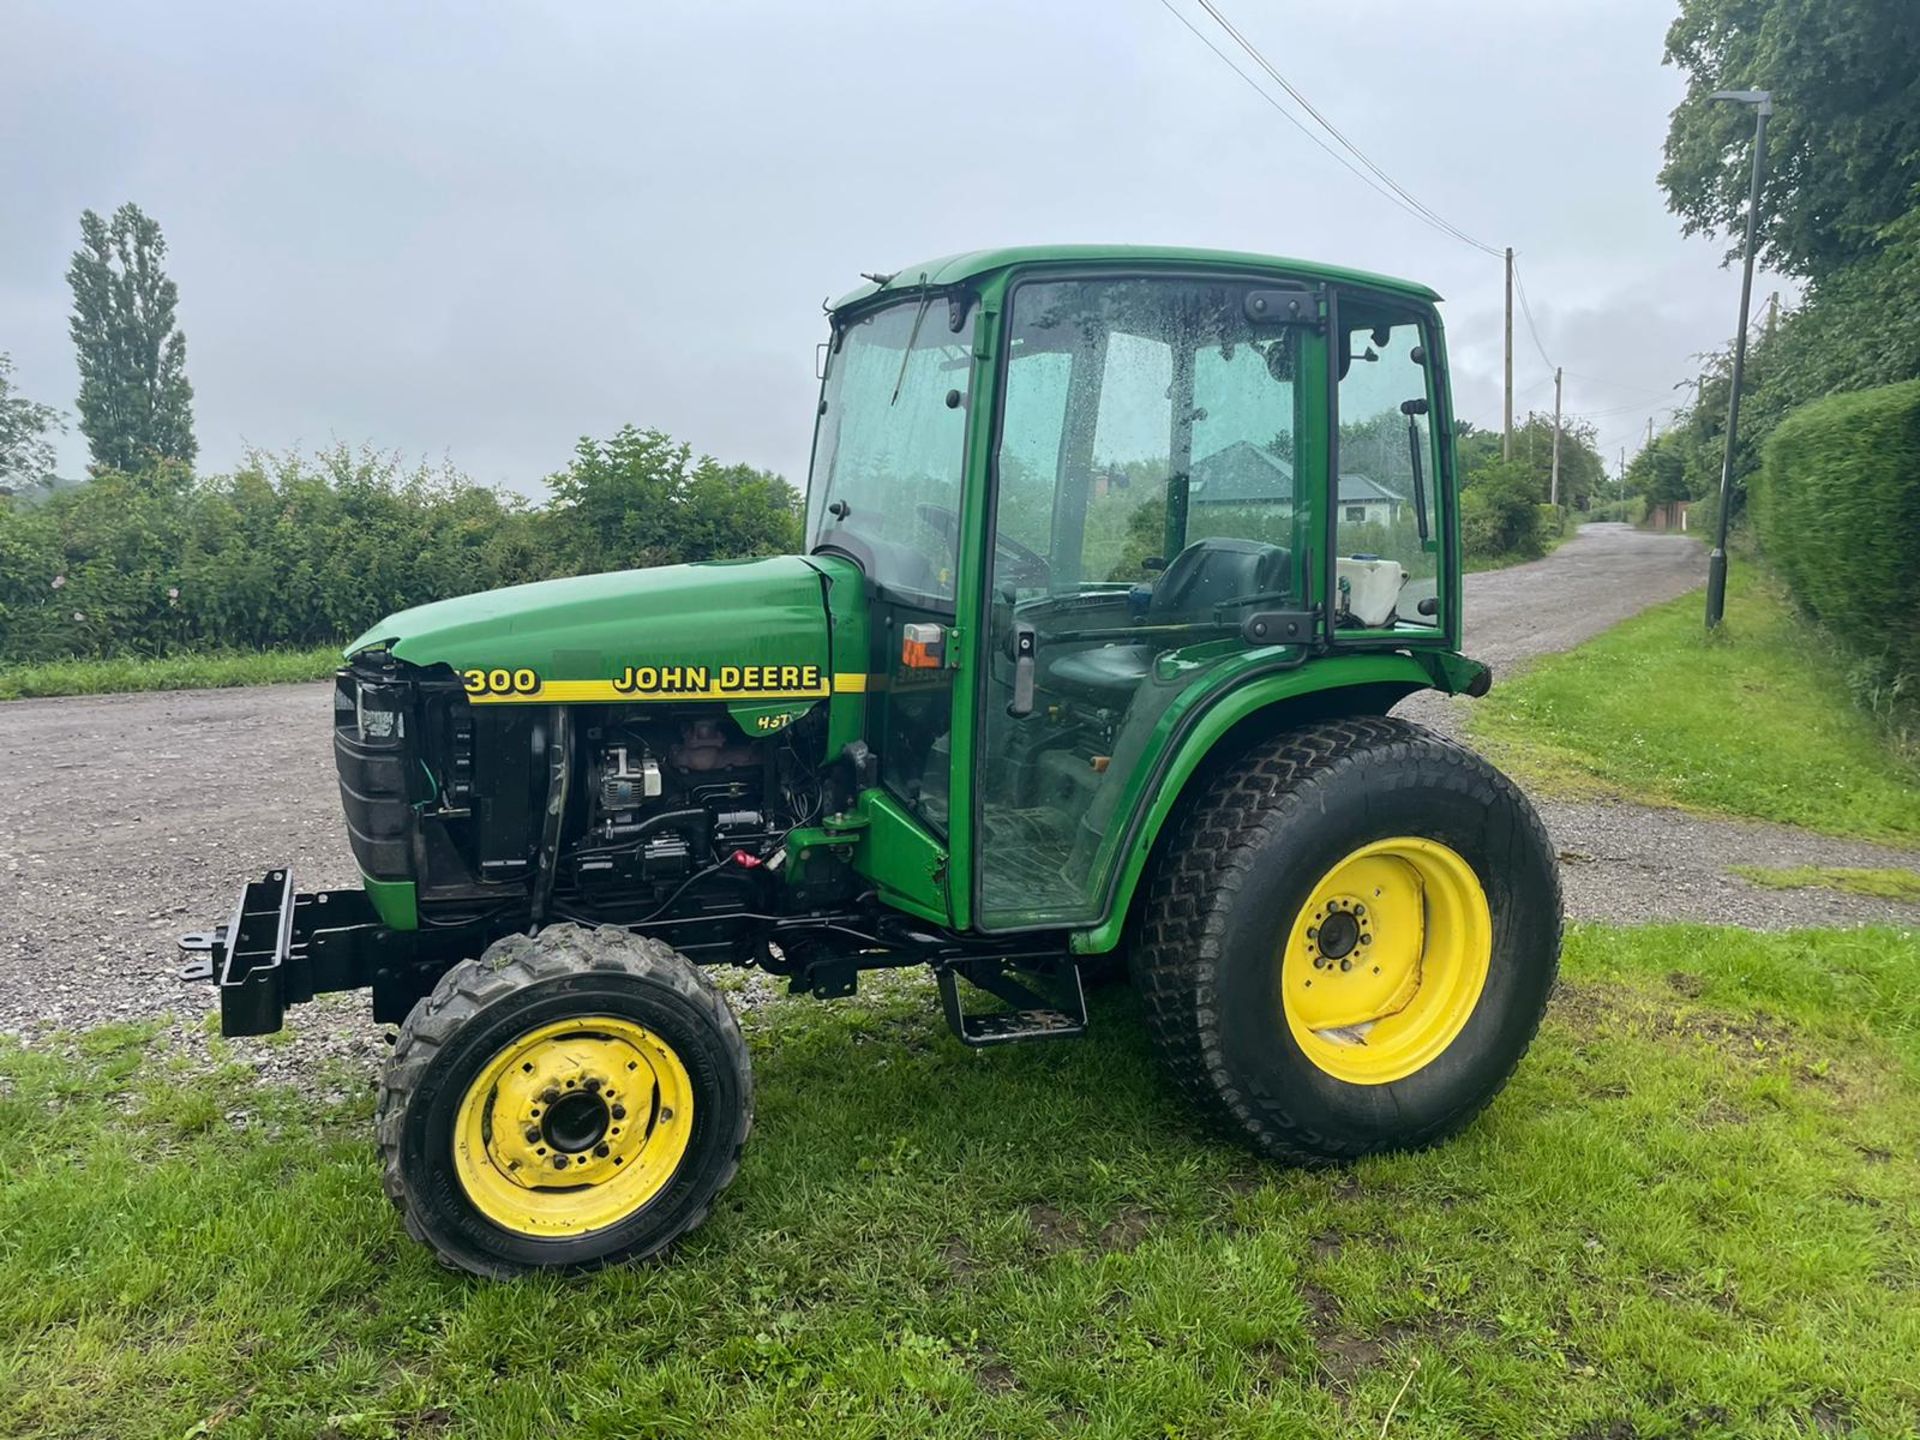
(520, 983)
(1237, 872)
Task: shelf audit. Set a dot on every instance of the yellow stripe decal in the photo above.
(577, 692)
(573, 692)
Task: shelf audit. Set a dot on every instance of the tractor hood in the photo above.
(732, 630)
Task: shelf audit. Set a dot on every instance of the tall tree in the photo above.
(1844, 145)
(26, 451)
(136, 407)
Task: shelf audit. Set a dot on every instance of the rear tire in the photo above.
(1279, 877)
(568, 1100)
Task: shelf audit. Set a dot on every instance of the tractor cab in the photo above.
(1087, 488)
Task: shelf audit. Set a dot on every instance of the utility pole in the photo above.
(1762, 101)
(1649, 430)
(1553, 492)
(1773, 313)
(1506, 433)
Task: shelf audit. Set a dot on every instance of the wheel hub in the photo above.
(1387, 959)
(576, 1122)
(573, 1126)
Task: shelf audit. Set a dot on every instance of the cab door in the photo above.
(1157, 474)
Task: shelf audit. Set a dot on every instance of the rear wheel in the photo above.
(1350, 942)
(569, 1099)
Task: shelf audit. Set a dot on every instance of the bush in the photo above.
(299, 551)
(1498, 512)
(1837, 510)
(1552, 522)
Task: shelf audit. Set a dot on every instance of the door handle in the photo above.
(1025, 643)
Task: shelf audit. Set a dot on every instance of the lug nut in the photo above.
(1345, 965)
(602, 1151)
(559, 1162)
(549, 1096)
(619, 1112)
(666, 1113)
(533, 1134)
(593, 1084)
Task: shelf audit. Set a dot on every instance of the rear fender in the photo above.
(1213, 733)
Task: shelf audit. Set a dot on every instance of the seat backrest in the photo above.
(1212, 571)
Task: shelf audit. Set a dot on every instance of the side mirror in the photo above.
(1154, 563)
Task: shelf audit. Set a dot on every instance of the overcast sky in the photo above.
(483, 233)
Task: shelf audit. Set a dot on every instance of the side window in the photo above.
(1387, 528)
(1127, 494)
(1032, 428)
(1242, 481)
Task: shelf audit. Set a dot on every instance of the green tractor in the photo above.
(1117, 560)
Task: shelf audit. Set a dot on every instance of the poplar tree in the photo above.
(136, 406)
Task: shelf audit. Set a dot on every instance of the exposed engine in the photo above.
(674, 797)
(616, 814)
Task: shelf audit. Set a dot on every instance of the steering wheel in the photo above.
(1029, 567)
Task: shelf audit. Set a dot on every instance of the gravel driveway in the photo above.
(127, 819)
(1623, 862)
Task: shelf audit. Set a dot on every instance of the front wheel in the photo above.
(570, 1099)
(1350, 941)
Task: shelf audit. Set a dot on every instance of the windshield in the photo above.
(889, 451)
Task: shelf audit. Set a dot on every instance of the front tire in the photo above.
(568, 1100)
(1350, 942)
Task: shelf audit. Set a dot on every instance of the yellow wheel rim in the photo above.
(1386, 960)
(573, 1127)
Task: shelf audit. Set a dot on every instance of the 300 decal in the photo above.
(501, 682)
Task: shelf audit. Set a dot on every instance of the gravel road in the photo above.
(127, 819)
(1624, 862)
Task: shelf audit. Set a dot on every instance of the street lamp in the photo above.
(1762, 102)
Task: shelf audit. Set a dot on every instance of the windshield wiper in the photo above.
(913, 336)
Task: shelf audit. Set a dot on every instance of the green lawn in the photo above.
(209, 670)
(1695, 1212)
(1753, 722)
(1887, 884)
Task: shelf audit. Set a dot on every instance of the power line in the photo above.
(1527, 310)
(1411, 206)
(1426, 211)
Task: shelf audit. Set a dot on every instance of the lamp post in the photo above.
(1762, 102)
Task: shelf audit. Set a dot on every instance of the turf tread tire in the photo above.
(1213, 860)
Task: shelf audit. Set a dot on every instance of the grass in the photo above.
(1474, 564)
(1753, 721)
(1695, 1211)
(204, 670)
(1887, 884)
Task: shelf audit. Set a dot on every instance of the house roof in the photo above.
(1358, 489)
(1243, 472)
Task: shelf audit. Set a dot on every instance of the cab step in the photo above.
(1033, 1016)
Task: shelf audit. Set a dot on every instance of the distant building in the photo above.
(1672, 515)
(1245, 474)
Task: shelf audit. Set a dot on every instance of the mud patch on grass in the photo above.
(1054, 1230)
(1127, 1229)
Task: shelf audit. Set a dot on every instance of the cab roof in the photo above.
(954, 269)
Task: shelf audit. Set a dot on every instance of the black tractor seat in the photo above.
(1206, 574)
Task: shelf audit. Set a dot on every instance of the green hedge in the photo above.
(297, 551)
(1837, 510)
